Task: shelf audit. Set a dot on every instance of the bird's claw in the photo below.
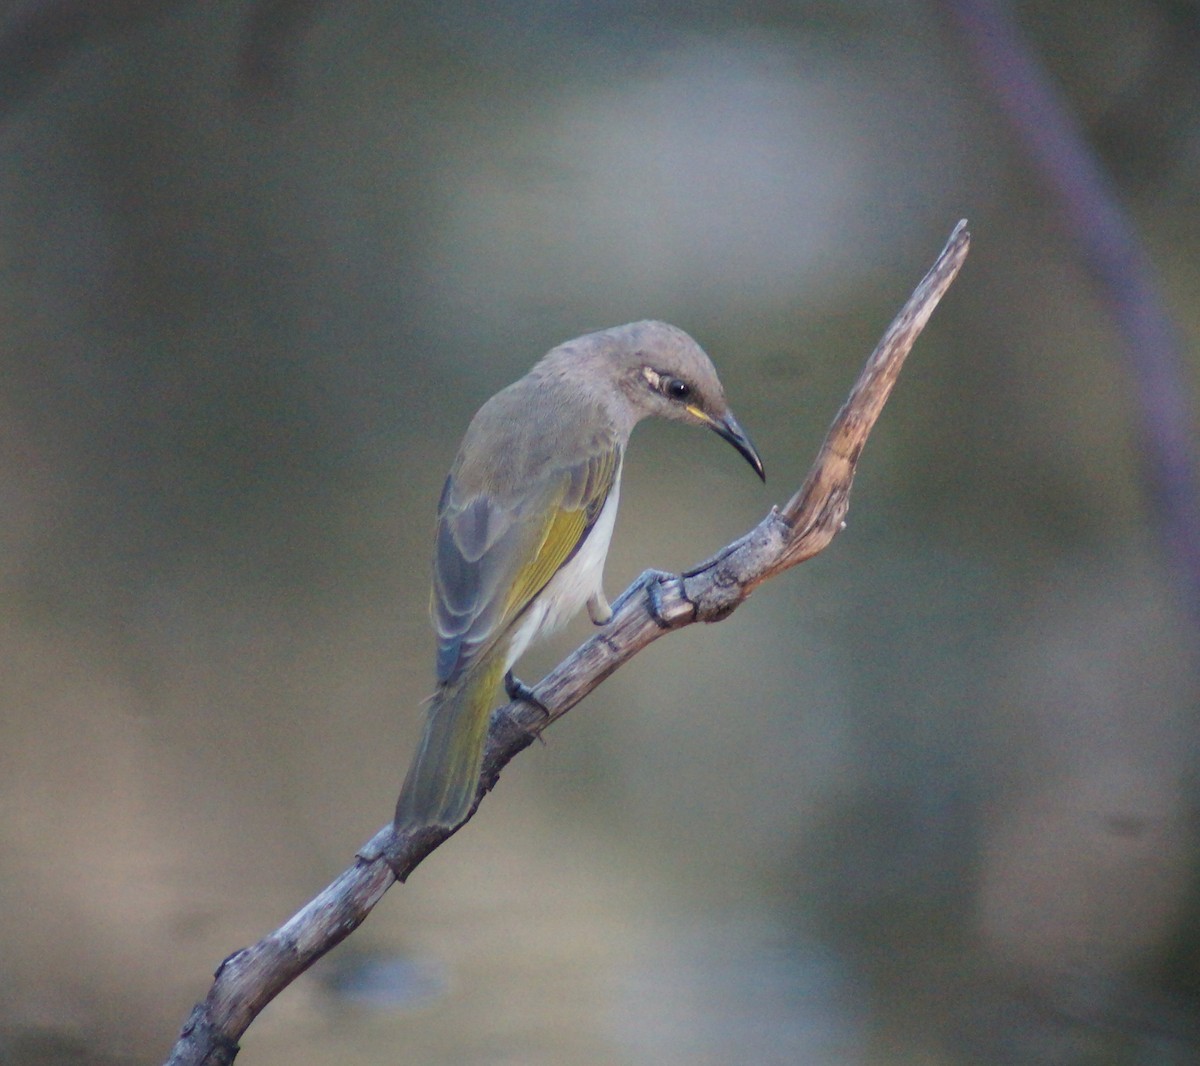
(664, 591)
(516, 689)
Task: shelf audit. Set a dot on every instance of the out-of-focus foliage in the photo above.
(930, 798)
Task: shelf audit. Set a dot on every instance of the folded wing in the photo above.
(493, 556)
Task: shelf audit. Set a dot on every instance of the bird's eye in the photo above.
(677, 389)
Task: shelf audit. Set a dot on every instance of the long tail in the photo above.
(441, 781)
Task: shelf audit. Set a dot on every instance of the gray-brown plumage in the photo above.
(524, 525)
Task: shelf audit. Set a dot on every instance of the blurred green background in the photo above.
(930, 798)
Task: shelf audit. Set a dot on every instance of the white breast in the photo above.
(569, 589)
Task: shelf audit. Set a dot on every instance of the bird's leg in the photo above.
(599, 610)
(655, 589)
(516, 689)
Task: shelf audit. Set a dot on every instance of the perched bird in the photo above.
(524, 525)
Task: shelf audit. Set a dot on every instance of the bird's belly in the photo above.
(569, 589)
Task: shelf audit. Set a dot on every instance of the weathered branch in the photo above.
(655, 604)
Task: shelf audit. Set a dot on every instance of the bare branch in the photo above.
(655, 604)
(1102, 227)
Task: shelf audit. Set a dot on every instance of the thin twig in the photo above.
(1093, 215)
(654, 605)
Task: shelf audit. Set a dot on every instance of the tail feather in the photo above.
(444, 774)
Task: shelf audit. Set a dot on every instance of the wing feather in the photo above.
(493, 556)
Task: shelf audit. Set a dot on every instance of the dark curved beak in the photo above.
(728, 429)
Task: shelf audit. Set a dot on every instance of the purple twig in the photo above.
(1097, 221)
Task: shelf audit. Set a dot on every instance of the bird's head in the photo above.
(662, 371)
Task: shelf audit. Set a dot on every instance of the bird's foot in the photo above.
(518, 690)
(664, 591)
